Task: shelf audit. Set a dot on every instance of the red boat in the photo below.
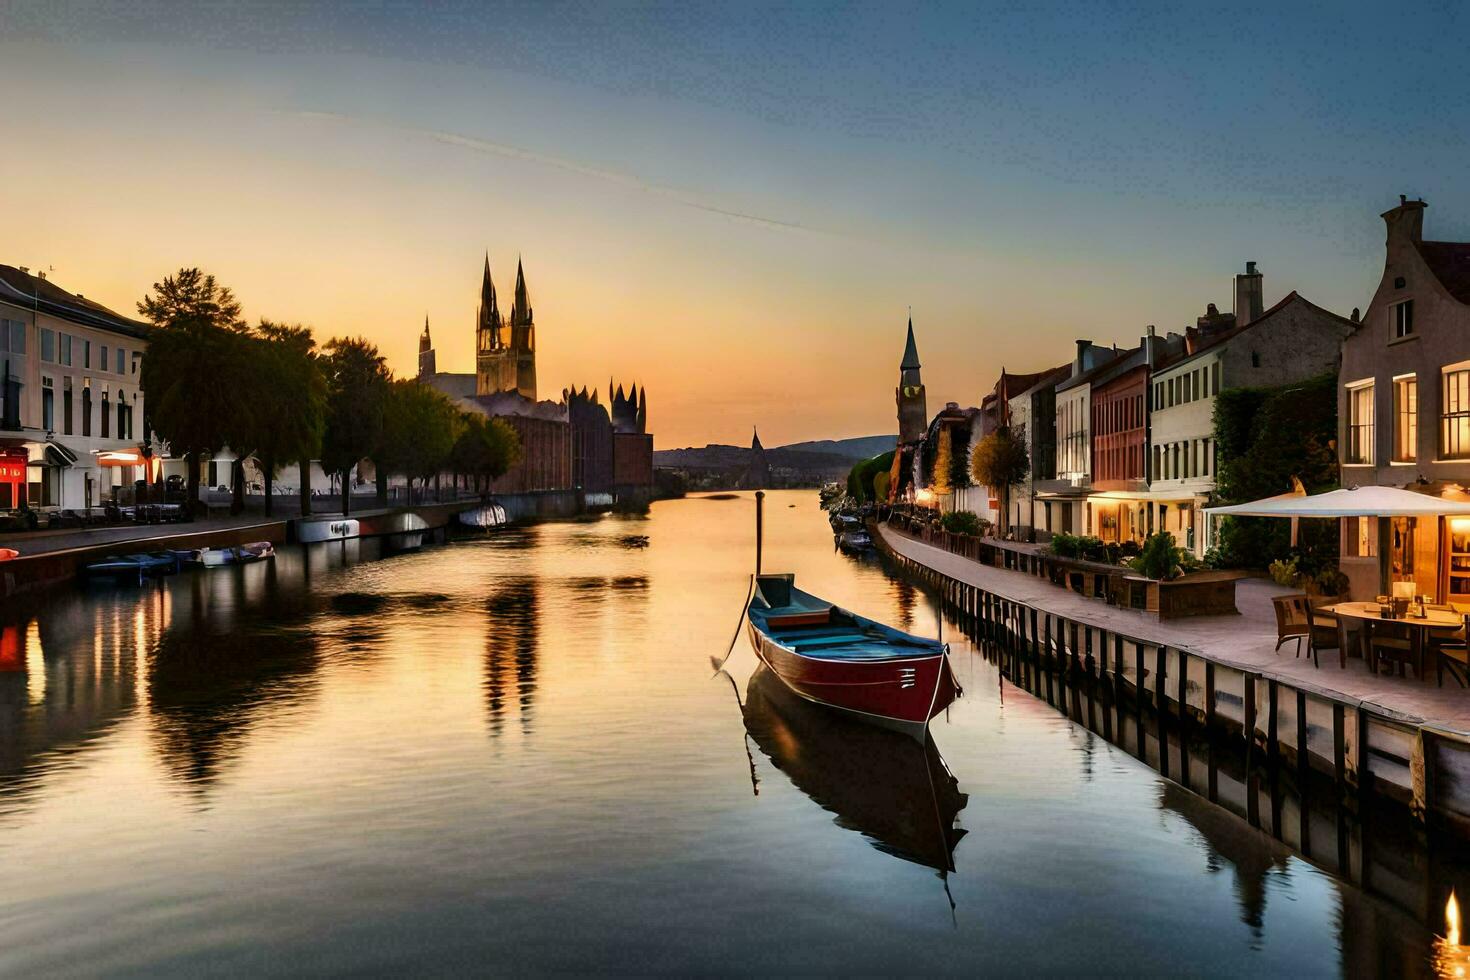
(834, 657)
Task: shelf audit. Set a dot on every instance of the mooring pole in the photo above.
(760, 500)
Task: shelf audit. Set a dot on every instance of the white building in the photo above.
(1292, 341)
(71, 401)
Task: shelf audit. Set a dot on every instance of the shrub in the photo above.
(962, 522)
(1065, 545)
(1160, 559)
(1284, 572)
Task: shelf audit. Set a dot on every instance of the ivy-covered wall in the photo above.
(1264, 437)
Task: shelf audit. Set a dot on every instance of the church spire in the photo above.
(488, 323)
(910, 350)
(520, 313)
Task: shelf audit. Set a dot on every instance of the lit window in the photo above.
(1405, 418)
(1360, 424)
(1454, 423)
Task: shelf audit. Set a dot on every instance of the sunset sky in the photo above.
(734, 205)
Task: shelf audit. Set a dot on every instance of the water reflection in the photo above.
(511, 646)
(888, 787)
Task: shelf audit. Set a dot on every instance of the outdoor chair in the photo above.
(1291, 619)
(1324, 632)
(1389, 643)
(1451, 653)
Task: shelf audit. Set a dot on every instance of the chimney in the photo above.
(1079, 362)
(1149, 343)
(1405, 222)
(1247, 295)
(1357, 316)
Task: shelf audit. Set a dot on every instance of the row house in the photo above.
(1250, 348)
(1056, 493)
(71, 400)
(1404, 411)
(1002, 408)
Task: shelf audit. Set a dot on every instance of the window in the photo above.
(15, 332)
(66, 405)
(1215, 372)
(48, 404)
(1363, 537)
(106, 414)
(87, 354)
(121, 361)
(1403, 319)
(1360, 424)
(137, 359)
(66, 349)
(1405, 418)
(102, 361)
(122, 416)
(48, 345)
(86, 406)
(1454, 424)
(1255, 358)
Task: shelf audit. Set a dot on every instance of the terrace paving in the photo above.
(1244, 641)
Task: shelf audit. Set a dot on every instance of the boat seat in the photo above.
(814, 617)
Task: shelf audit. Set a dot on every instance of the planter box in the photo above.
(1196, 594)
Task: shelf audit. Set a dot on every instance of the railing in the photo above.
(1362, 749)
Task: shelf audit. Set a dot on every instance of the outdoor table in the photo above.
(1368, 612)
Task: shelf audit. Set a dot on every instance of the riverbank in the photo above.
(1372, 733)
(52, 557)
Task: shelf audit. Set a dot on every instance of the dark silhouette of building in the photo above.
(576, 443)
(757, 475)
(913, 414)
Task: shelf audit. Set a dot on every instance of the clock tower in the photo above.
(913, 415)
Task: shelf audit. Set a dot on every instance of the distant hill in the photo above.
(802, 464)
(862, 447)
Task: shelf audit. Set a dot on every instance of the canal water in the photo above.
(511, 754)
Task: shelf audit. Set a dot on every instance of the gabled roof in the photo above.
(1225, 336)
(1450, 263)
(24, 289)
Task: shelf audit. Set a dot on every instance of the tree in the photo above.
(1000, 461)
(1264, 437)
(284, 361)
(192, 377)
(943, 459)
(420, 428)
(357, 390)
(486, 448)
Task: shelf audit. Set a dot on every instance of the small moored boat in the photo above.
(855, 542)
(133, 567)
(254, 551)
(834, 657)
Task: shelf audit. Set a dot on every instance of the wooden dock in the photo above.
(1399, 737)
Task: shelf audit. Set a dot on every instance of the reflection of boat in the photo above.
(894, 791)
(854, 542)
(829, 655)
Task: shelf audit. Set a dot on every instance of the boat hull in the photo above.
(901, 693)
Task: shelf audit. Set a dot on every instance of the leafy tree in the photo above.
(420, 428)
(285, 363)
(192, 377)
(881, 481)
(1000, 462)
(1264, 437)
(860, 477)
(943, 461)
(357, 392)
(486, 448)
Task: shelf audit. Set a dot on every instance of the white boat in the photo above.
(335, 529)
(490, 515)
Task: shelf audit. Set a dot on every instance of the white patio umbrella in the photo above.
(1350, 502)
(1370, 501)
